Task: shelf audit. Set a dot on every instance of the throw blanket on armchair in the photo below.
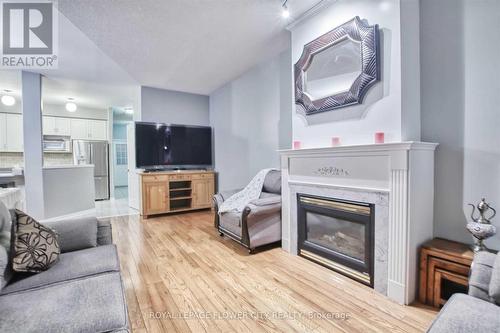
(252, 191)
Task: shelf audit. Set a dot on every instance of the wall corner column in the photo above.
(32, 138)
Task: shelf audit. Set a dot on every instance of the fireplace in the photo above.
(338, 234)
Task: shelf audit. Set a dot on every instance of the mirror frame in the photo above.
(359, 31)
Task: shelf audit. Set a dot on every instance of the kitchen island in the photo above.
(68, 189)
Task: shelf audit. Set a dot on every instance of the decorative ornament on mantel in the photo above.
(481, 227)
(379, 137)
(335, 141)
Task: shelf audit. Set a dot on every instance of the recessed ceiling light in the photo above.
(8, 100)
(71, 106)
(285, 13)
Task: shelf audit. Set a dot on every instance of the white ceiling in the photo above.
(56, 90)
(186, 45)
(108, 49)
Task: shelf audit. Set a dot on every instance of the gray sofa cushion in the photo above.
(494, 291)
(480, 276)
(94, 304)
(75, 234)
(5, 238)
(272, 183)
(72, 265)
(465, 314)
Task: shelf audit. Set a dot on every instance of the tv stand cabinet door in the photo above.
(203, 190)
(155, 197)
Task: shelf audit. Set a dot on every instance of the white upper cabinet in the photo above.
(98, 130)
(79, 129)
(85, 129)
(14, 133)
(56, 126)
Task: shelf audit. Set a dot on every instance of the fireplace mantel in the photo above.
(403, 172)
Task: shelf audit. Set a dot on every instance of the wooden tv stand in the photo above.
(175, 191)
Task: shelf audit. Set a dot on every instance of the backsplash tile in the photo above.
(10, 160)
(57, 159)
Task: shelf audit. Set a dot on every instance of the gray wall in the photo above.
(252, 119)
(460, 98)
(174, 107)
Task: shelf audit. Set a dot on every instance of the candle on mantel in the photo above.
(379, 137)
(296, 145)
(335, 141)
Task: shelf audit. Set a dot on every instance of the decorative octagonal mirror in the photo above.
(336, 69)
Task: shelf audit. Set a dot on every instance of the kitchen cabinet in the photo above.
(11, 132)
(98, 130)
(56, 126)
(88, 129)
(79, 129)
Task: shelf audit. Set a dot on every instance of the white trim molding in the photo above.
(404, 171)
(310, 12)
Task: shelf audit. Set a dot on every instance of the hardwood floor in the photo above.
(181, 276)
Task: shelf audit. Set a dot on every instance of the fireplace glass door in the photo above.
(337, 234)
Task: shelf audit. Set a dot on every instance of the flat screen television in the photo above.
(163, 146)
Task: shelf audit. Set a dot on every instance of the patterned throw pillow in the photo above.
(35, 246)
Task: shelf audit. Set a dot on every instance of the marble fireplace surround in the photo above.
(397, 177)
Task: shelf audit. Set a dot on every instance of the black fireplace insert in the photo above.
(338, 234)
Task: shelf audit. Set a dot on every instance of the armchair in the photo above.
(260, 221)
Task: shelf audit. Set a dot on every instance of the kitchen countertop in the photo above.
(68, 166)
(8, 175)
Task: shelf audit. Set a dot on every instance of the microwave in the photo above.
(56, 144)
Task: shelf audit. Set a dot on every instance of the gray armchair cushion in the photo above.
(272, 183)
(231, 221)
(466, 314)
(71, 265)
(75, 234)
(480, 276)
(269, 199)
(94, 304)
(494, 290)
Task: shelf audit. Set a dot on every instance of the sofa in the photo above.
(82, 292)
(259, 223)
(479, 310)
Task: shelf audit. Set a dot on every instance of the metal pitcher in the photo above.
(481, 227)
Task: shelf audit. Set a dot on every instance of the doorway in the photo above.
(122, 117)
(120, 166)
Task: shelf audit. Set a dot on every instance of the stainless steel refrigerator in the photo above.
(96, 153)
